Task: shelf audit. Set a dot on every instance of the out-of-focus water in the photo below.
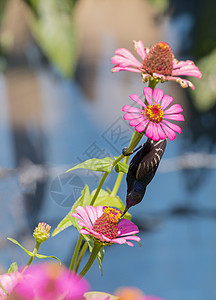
(177, 259)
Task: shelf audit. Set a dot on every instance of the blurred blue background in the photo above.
(61, 105)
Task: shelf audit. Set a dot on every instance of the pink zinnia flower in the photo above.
(158, 62)
(103, 224)
(50, 281)
(153, 117)
(8, 283)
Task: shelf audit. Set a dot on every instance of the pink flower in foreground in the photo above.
(50, 281)
(103, 224)
(8, 283)
(158, 62)
(153, 117)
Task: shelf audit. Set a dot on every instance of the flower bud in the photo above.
(41, 232)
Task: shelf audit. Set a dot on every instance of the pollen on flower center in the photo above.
(107, 224)
(154, 113)
(159, 59)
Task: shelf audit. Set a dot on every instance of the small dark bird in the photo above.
(142, 169)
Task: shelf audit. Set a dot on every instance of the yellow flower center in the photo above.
(159, 60)
(107, 223)
(154, 113)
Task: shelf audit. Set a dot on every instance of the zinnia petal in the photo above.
(150, 130)
(130, 69)
(161, 133)
(126, 227)
(174, 109)
(158, 95)
(136, 99)
(173, 126)
(169, 132)
(176, 117)
(148, 93)
(136, 121)
(142, 125)
(140, 49)
(187, 68)
(129, 58)
(131, 109)
(91, 210)
(166, 101)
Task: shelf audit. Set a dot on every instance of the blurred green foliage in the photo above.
(2, 44)
(204, 50)
(160, 5)
(204, 95)
(52, 25)
(53, 28)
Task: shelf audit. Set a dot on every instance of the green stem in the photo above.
(76, 251)
(82, 252)
(91, 259)
(99, 187)
(153, 83)
(35, 251)
(118, 180)
(136, 137)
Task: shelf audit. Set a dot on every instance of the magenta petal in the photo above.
(181, 63)
(84, 231)
(121, 61)
(173, 126)
(156, 136)
(166, 101)
(176, 117)
(158, 95)
(126, 227)
(140, 49)
(81, 214)
(141, 126)
(131, 109)
(131, 116)
(187, 68)
(132, 61)
(91, 210)
(130, 69)
(136, 99)
(183, 82)
(148, 93)
(119, 240)
(136, 121)
(99, 210)
(129, 244)
(133, 238)
(161, 133)
(149, 131)
(169, 132)
(174, 109)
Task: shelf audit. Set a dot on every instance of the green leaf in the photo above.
(96, 164)
(68, 220)
(15, 242)
(121, 167)
(85, 199)
(65, 223)
(100, 257)
(41, 256)
(13, 268)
